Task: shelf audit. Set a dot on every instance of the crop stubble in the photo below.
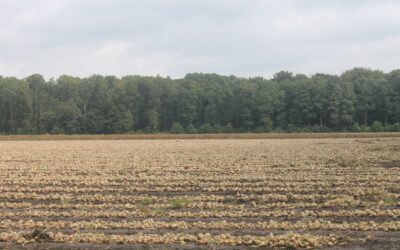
(299, 193)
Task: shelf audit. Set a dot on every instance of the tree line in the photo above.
(357, 100)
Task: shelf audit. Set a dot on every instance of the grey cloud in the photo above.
(175, 37)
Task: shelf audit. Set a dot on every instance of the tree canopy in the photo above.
(358, 100)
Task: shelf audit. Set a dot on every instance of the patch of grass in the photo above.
(389, 200)
(146, 202)
(178, 203)
(347, 161)
(90, 226)
(376, 149)
(144, 210)
(144, 205)
(159, 211)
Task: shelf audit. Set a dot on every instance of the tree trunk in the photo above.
(40, 115)
(85, 117)
(11, 119)
(320, 119)
(36, 115)
(385, 119)
(365, 119)
(36, 109)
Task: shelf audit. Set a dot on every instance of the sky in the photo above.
(173, 37)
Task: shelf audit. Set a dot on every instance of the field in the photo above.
(329, 193)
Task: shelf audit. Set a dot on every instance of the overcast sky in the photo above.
(174, 37)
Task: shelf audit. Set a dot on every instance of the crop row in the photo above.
(203, 225)
(271, 241)
(392, 213)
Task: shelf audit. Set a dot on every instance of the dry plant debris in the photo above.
(277, 193)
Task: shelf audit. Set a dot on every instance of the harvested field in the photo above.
(277, 193)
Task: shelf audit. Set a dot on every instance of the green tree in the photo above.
(36, 84)
(209, 102)
(99, 109)
(206, 128)
(394, 79)
(363, 81)
(376, 126)
(228, 128)
(123, 122)
(15, 106)
(191, 129)
(153, 119)
(177, 128)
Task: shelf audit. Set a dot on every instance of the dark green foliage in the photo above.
(123, 122)
(377, 127)
(360, 100)
(153, 121)
(355, 128)
(228, 128)
(394, 128)
(291, 128)
(191, 129)
(206, 128)
(177, 128)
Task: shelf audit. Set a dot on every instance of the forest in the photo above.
(359, 100)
